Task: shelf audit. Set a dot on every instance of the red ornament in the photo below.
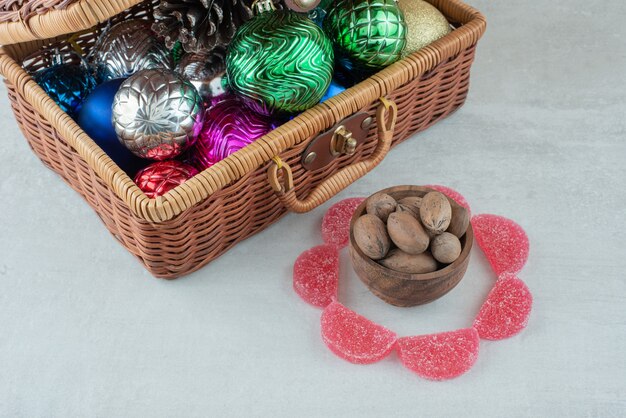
(161, 177)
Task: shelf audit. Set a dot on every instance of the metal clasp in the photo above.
(342, 142)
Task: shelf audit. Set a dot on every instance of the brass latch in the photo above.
(342, 139)
(342, 142)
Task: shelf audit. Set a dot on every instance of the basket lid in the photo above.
(29, 20)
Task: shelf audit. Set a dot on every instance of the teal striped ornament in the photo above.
(280, 62)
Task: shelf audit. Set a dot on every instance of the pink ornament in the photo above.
(159, 178)
(440, 356)
(316, 275)
(229, 126)
(354, 337)
(505, 312)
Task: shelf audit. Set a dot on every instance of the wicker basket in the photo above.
(193, 224)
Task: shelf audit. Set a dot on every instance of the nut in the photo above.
(435, 212)
(459, 222)
(410, 204)
(371, 236)
(446, 248)
(381, 205)
(398, 260)
(407, 233)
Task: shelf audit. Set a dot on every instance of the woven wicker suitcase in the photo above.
(193, 224)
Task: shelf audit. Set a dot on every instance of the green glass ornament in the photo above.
(177, 52)
(325, 4)
(368, 35)
(280, 62)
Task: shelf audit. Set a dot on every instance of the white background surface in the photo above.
(85, 331)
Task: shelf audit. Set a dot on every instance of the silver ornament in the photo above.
(302, 6)
(206, 72)
(128, 47)
(157, 114)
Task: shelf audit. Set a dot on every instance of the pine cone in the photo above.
(200, 25)
(204, 66)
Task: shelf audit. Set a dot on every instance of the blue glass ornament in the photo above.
(67, 85)
(333, 90)
(95, 119)
(317, 15)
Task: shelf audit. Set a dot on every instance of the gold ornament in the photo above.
(425, 24)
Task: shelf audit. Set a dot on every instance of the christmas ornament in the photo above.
(425, 24)
(333, 90)
(317, 15)
(206, 72)
(95, 119)
(302, 6)
(325, 4)
(177, 52)
(368, 35)
(157, 114)
(440, 356)
(229, 126)
(161, 177)
(67, 84)
(200, 25)
(128, 47)
(279, 62)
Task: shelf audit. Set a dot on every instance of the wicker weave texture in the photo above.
(16, 10)
(28, 20)
(200, 220)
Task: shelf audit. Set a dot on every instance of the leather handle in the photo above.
(386, 116)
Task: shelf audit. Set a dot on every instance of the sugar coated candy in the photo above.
(316, 275)
(336, 222)
(354, 337)
(506, 310)
(440, 356)
(504, 242)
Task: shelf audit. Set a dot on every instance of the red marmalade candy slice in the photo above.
(353, 337)
(506, 310)
(440, 356)
(316, 275)
(336, 222)
(504, 242)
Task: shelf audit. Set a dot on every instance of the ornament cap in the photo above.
(262, 6)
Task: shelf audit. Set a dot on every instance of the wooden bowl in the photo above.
(403, 289)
